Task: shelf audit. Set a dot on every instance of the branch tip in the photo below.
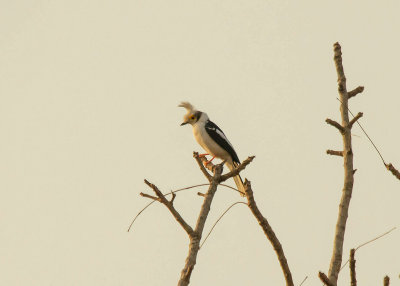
(354, 120)
(355, 91)
(335, 124)
(334, 153)
(322, 276)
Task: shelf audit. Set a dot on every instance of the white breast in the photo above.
(208, 144)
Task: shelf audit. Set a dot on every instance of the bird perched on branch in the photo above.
(212, 139)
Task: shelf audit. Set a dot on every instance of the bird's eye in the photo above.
(192, 117)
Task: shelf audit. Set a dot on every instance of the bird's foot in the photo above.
(209, 161)
(203, 155)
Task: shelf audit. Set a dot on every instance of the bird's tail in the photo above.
(238, 180)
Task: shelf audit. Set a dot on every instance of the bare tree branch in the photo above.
(171, 208)
(393, 170)
(336, 259)
(199, 161)
(368, 242)
(335, 153)
(335, 124)
(324, 279)
(195, 237)
(237, 170)
(355, 118)
(386, 281)
(353, 268)
(355, 91)
(268, 232)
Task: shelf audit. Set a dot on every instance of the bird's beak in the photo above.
(184, 123)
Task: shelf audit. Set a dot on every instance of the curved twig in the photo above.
(201, 245)
(369, 241)
(176, 191)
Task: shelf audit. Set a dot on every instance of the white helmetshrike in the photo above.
(212, 139)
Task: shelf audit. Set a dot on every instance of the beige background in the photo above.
(88, 109)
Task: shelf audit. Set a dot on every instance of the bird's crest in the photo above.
(187, 105)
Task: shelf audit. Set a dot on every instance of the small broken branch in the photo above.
(335, 124)
(393, 170)
(386, 281)
(150, 197)
(334, 153)
(355, 91)
(324, 279)
(353, 268)
(355, 118)
(263, 222)
(170, 207)
(199, 161)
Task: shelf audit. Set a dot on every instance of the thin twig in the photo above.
(171, 208)
(170, 193)
(369, 241)
(199, 161)
(205, 239)
(304, 280)
(366, 134)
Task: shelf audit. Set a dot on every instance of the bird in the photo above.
(212, 139)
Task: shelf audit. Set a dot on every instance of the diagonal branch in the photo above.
(263, 222)
(237, 170)
(171, 208)
(335, 124)
(322, 276)
(355, 118)
(393, 170)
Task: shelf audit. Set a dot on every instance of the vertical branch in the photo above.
(353, 268)
(336, 259)
(263, 222)
(195, 237)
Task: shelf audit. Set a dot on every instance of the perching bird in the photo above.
(212, 139)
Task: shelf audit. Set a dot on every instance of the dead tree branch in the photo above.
(393, 170)
(195, 237)
(322, 276)
(335, 124)
(386, 281)
(170, 207)
(263, 222)
(336, 259)
(355, 91)
(353, 268)
(334, 153)
(355, 118)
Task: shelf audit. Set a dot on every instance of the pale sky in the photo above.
(88, 109)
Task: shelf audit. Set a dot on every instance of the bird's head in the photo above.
(192, 115)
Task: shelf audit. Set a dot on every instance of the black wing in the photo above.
(218, 136)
